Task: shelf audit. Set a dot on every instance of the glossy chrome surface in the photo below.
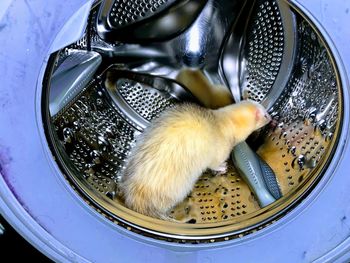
(239, 65)
(73, 74)
(219, 208)
(120, 83)
(146, 20)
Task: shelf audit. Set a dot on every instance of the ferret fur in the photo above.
(211, 96)
(178, 147)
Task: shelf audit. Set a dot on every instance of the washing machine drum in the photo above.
(82, 80)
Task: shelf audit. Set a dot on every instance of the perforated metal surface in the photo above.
(216, 198)
(126, 12)
(264, 50)
(96, 137)
(307, 117)
(313, 92)
(91, 37)
(146, 101)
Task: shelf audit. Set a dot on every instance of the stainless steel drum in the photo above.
(92, 133)
(78, 88)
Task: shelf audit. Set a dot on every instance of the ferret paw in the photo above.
(221, 169)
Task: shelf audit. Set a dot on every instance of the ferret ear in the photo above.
(262, 115)
(258, 114)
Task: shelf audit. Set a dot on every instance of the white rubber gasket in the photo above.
(39, 203)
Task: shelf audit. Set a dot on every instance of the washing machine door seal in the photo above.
(42, 207)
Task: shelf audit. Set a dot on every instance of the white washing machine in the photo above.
(65, 136)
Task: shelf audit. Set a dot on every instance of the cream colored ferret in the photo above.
(178, 147)
(211, 96)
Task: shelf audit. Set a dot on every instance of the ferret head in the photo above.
(245, 117)
(262, 117)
